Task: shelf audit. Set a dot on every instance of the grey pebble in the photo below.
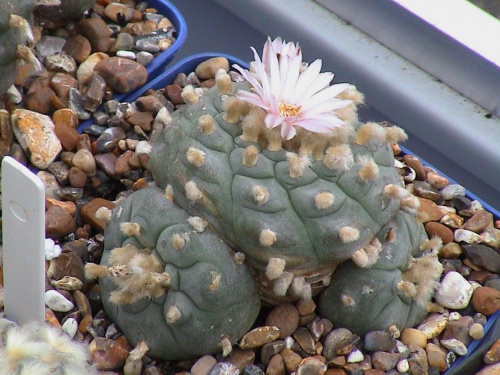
(224, 368)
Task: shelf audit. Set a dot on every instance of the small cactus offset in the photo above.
(280, 168)
(172, 271)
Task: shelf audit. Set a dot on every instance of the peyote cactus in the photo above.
(177, 275)
(280, 168)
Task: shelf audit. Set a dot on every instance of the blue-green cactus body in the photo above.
(304, 234)
(212, 294)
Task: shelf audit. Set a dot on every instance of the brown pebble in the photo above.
(122, 75)
(451, 250)
(67, 135)
(209, 67)
(61, 83)
(66, 264)
(241, 358)
(39, 100)
(142, 120)
(173, 93)
(412, 336)
(436, 357)
(106, 354)
(493, 354)
(285, 317)
(88, 212)
(385, 361)
(77, 178)
(434, 228)
(291, 359)
(85, 323)
(259, 336)
(416, 164)
(97, 33)
(58, 223)
(311, 366)
(65, 116)
(203, 365)
(305, 307)
(486, 300)
(479, 221)
(276, 366)
(305, 340)
(429, 210)
(51, 318)
(78, 47)
(122, 163)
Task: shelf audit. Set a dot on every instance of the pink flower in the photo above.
(291, 97)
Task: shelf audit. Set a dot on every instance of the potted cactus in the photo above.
(268, 189)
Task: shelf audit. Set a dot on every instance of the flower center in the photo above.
(288, 110)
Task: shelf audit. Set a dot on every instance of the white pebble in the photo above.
(355, 356)
(126, 54)
(143, 147)
(454, 291)
(70, 326)
(456, 346)
(51, 249)
(452, 191)
(57, 302)
(403, 366)
(454, 315)
(467, 236)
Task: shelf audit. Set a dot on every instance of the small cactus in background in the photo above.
(281, 169)
(37, 348)
(16, 20)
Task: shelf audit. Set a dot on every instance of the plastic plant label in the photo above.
(23, 229)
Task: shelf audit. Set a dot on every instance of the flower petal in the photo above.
(320, 124)
(273, 120)
(325, 95)
(325, 107)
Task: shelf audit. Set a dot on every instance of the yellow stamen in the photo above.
(288, 110)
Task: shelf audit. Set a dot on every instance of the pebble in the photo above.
(451, 250)
(35, 133)
(479, 221)
(454, 291)
(311, 366)
(415, 337)
(67, 135)
(384, 361)
(492, 355)
(84, 160)
(107, 354)
(241, 357)
(58, 222)
(379, 341)
(459, 329)
(476, 331)
(285, 317)
(276, 366)
(208, 68)
(490, 370)
(78, 47)
(433, 325)
(122, 75)
(57, 302)
(224, 368)
(259, 336)
(452, 191)
(456, 346)
(203, 365)
(70, 327)
(486, 300)
(436, 357)
(429, 210)
(437, 229)
(291, 359)
(483, 256)
(85, 71)
(97, 33)
(67, 264)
